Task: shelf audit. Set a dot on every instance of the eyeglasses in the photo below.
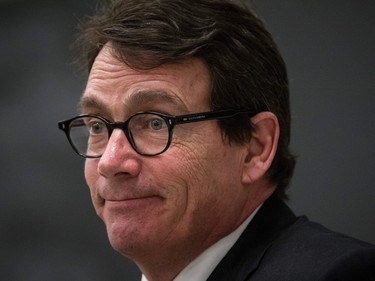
(149, 133)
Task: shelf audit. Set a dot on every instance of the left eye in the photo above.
(156, 124)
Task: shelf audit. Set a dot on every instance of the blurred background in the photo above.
(48, 228)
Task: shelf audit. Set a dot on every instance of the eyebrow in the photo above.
(135, 100)
(87, 102)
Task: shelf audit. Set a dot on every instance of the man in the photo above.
(185, 126)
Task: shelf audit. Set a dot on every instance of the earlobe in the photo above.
(261, 148)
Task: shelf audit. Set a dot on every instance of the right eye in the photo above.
(96, 127)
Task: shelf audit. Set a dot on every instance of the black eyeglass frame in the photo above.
(171, 121)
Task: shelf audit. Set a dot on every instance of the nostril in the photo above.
(101, 170)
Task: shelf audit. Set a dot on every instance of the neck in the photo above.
(165, 267)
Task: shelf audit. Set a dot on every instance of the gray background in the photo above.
(48, 229)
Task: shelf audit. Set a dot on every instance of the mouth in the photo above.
(132, 202)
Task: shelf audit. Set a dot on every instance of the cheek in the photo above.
(201, 175)
(208, 165)
(192, 172)
(188, 162)
(92, 176)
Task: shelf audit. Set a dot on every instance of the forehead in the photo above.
(112, 85)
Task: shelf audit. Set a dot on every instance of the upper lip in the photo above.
(123, 192)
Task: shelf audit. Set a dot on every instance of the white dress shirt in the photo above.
(201, 268)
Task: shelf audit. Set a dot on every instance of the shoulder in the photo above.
(310, 250)
(277, 245)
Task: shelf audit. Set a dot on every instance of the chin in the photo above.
(120, 238)
(126, 238)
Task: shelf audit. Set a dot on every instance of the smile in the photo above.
(133, 202)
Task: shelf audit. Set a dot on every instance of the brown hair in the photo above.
(247, 70)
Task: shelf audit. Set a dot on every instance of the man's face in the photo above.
(186, 198)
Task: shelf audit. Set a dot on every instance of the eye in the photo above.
(96, 127)
(156, 124)
(147, 123)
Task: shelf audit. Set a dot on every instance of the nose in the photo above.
(119, 158)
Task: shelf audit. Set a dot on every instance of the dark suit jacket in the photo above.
(278, 246)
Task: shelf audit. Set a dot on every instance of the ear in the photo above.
(261, 148)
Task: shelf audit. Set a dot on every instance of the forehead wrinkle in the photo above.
(145, 97)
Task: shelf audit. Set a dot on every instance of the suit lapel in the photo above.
(244, 257)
